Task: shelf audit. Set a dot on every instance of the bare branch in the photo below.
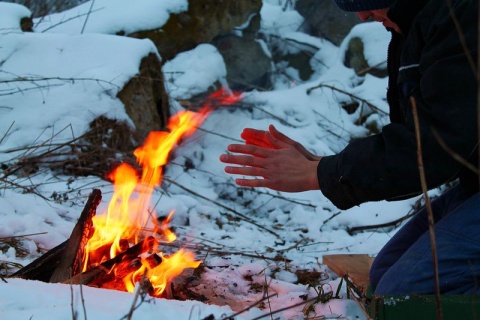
(351, 95)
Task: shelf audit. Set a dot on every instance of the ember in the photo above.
(120, 247)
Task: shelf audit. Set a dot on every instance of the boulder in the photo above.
(355, 59)
(325, 20)
(204, 20)
(248, 66)
(145, 99)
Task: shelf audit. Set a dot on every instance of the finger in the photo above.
(250, 149)
(241, 160)
(280, 136)
(249, 134)
(259, 143)
(254, 183)
(244, 171)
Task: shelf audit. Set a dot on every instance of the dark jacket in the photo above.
(428, 63)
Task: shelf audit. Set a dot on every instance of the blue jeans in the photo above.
(404, 266)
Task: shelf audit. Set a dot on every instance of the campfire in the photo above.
(120, 248)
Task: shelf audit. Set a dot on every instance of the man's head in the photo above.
(363, 5)
(366, 9)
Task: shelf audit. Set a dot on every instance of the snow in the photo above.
(74, 77)
(112, 16)
(10, 16)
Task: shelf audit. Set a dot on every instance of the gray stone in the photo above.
(325, 20)
(248, 67)
(145, 99)
(204, 20)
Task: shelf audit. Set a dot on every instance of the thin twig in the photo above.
(431, 222)
(34, 79)
(22, 236)
(6, 132)
(72, 307)
(138, 292)
(461, 37)
(66, 20)
(285, 308)
(88, 15)
(244, 217)
(231, 317)
(455, 155)
(393, 223)
(323, 85)
(83, 303)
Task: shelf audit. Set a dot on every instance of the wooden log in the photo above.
(131, 253)
(103, 253)
(114, 278)
(71, 261)
(43, 268)
(153, 260)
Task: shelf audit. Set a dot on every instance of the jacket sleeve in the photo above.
(385, 166)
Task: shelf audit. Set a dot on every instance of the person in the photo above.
(432, 67)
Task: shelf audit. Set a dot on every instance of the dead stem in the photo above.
(333, 88)
(265, 297)
(242, 216)
(285, 308)
(431, 222)
(138, 293)
(455, 155)
(6, 132)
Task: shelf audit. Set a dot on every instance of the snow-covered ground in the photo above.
(252, 242)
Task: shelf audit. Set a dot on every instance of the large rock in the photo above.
(204, 20)
(248, 66)
(326, 20)
(145, 99)
(355, 59)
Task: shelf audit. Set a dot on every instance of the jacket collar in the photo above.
(403, 12)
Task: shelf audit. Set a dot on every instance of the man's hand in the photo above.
(276, 161)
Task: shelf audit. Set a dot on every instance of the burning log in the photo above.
(67, 256)
(114, 279)
(104, 251)
(71, 261)
(153, 260)
(104, 268)
(42, 268)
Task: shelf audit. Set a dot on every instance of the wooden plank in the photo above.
(356, 266)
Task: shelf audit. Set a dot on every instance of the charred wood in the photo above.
(130, 254)
(43, 268)
(71, 261)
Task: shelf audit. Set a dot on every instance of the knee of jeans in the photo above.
(375, 275)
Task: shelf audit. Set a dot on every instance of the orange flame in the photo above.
(129, 216)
